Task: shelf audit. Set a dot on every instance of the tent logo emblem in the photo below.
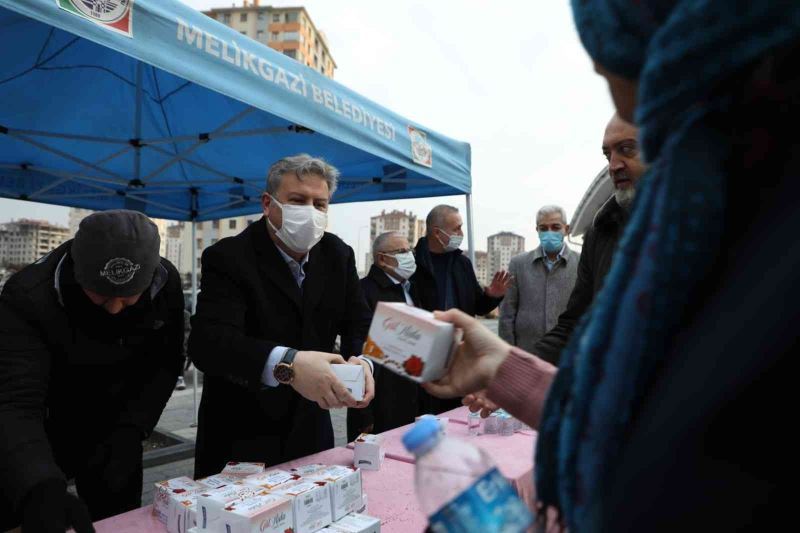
(116, 15)
(421, 151)
(120, 270)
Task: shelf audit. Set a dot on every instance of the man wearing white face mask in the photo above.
(395, 402)
(274, 299)
(445, 278)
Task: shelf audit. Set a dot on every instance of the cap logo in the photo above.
(120, 270)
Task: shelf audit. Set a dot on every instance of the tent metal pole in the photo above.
(137, 123)
(470, 230)
(194, 308)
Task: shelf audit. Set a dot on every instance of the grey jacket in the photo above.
(533, 303)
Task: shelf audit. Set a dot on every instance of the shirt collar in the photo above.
(290, 259)
(563, 254)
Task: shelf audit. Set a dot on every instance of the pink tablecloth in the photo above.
(390, 491)
(513, 454)
(390, 497)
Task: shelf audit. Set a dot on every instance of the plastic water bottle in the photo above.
(474, 424)
(491, 424)
(459, 487)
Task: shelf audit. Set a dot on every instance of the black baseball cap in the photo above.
(116, 252)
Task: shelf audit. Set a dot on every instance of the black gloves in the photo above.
(49, 508)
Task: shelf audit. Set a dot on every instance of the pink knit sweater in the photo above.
(521, 386)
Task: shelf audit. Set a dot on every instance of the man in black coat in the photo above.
(396, 401)
(274, 299)
(626, 167)
(90, 347)
(445, 279)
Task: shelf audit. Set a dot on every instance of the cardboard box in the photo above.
(345, 488)
(270, 479)
(352, 377)
(357, 523)
(211, 504)
(305, 470)
(443, 421)
(368, 452)
(240, 469)
(311, 504)
(267, 513)
(409, 342)
(163, 491)
(182, 513)
(217, 480)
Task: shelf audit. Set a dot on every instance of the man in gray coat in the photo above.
(543, 281)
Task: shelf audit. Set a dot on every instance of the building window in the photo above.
(290, 53)
(199, 225)
(198, 263)
(215, 224)
(243, 32)
(276, 17)
(260, 35)
(226, 18)
(275, 36)
(199, 244)
(232, 224)
(291, 36)
(243, 17)
(261, 16)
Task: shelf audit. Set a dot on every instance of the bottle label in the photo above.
(490, 505)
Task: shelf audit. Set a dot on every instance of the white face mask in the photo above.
(406, 265)
(302, 228)
(453, 243)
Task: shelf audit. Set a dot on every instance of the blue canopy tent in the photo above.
(151, 105)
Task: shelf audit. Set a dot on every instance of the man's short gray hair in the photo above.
(437, 215)
(549, 210)
(301, 165)
(380, 242)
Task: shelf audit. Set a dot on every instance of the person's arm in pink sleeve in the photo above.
(521, 384)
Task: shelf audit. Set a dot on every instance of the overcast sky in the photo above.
(510, 78)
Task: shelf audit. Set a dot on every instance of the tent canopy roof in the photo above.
(151, 105)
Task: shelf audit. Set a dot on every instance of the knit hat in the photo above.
(116, 252)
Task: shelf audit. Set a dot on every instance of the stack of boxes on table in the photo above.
(246, 498)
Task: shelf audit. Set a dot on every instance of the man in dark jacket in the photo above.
(445, 279)
(625, 166)
(396, 400)
(90, 347)
(274, 299)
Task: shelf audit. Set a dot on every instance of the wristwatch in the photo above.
(284, 371)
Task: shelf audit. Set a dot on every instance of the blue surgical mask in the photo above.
(552, 241)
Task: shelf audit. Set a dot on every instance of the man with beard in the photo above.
(91, 342)
(621, 149)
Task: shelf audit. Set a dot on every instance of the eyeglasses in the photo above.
(398, 251)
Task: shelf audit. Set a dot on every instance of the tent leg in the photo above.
(194, 309)
(470, 230)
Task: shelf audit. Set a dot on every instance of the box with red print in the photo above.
(409, 342)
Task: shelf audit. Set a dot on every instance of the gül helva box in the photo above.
(211, 504)
(409, 342)
(311, 504)
(357, 523)
(270, 479)
(368, 452)
(266, 513)
(345, 488)
(242, 469)
(167, 488)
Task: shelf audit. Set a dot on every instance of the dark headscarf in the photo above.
(682, 53)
